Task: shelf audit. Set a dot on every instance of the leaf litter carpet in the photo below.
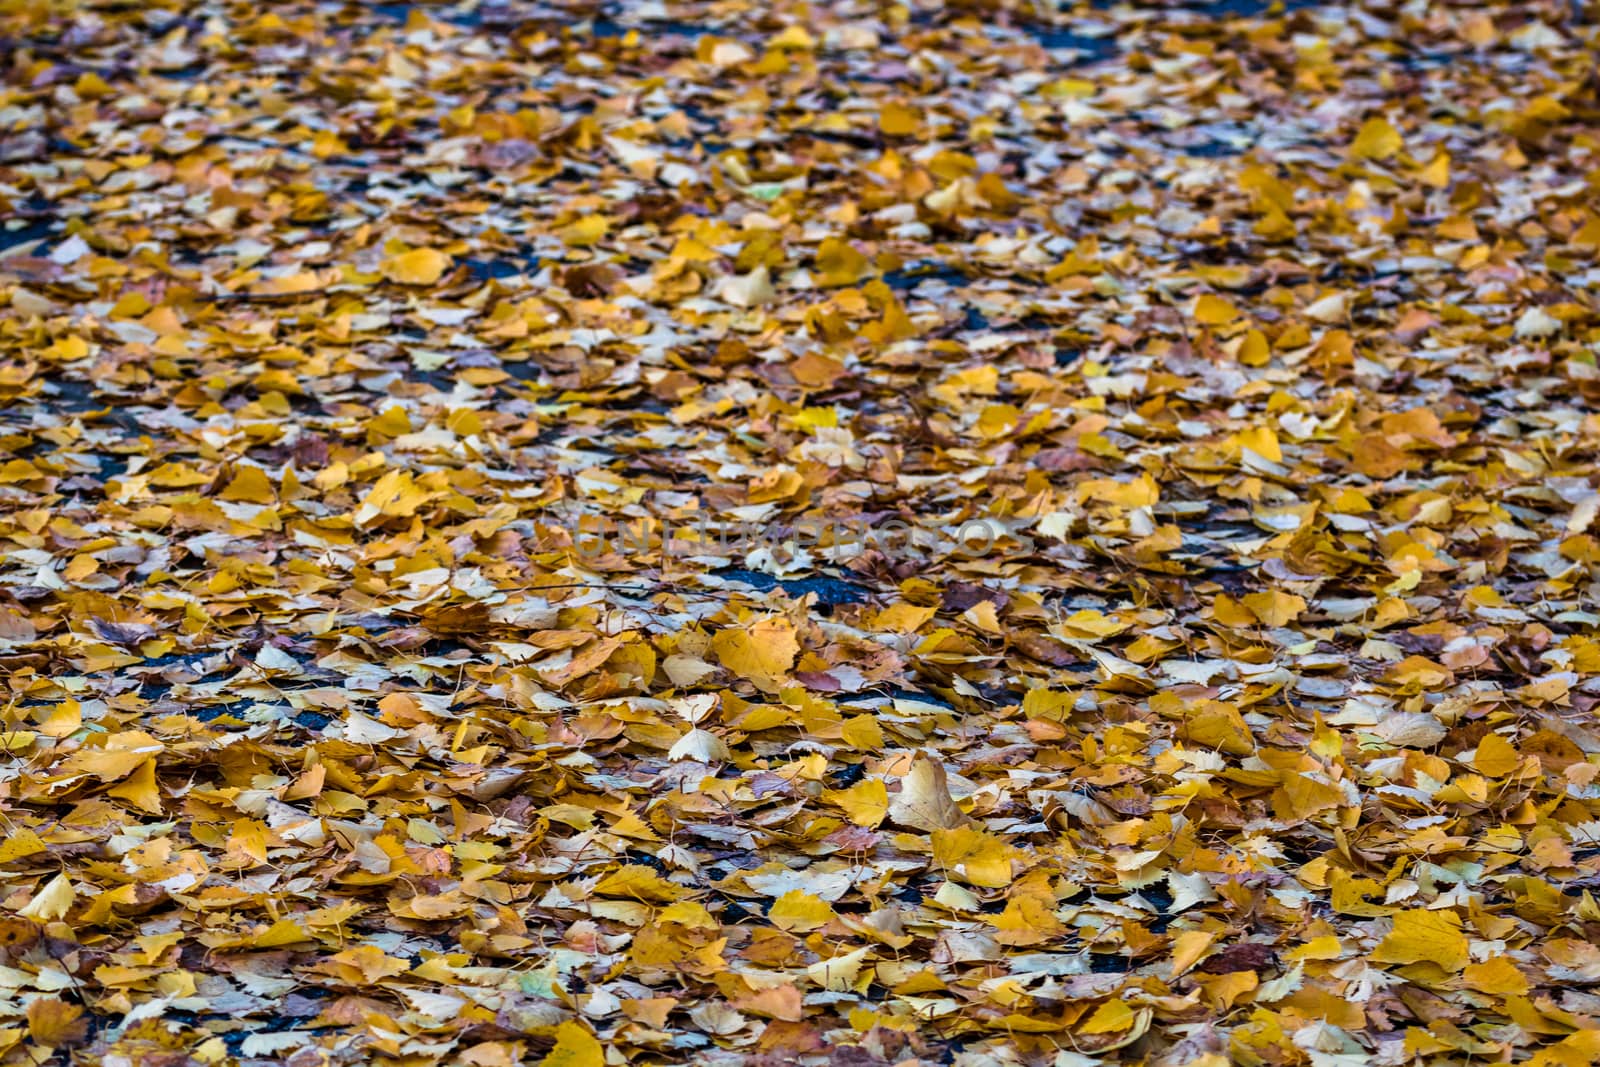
(755, 534)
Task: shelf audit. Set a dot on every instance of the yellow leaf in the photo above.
(420, 266)
(575, 1047)
(897, 120)
(1349, 896)
(688, 913)
(702, 746)
(1377, 140)
(396, 494)
(326, 143)
(800, 911)
(1478, 30)
(1415, 673)
(1326, 947)
(67, 350)
(1581, 1049)
(1275, 608)
(51, 902)
(19, 843)
(1420, 936)
(1030, 914)
(586, 231)
(1253, 349)
(838, 263)
(140, 789)
(1188, 947)
(250, 485)
(305, 281)
(1108, 1018)
(636, 880)
(123, 754)
(904, 618)
(1437, 173)
(1141, 492)
(761, 653)
(283, 932)
(1300, 797)
(1498, 976)
(1212, 310)
(1329, 309)
(749, 290)
(1090, 624)
(862, 733)
(839, 974)
(17, 740)
(1263, 442)
(793, 37)
(976, 856)
(1496, 757)
(866, 803)
(1215, 725)
(364, 964)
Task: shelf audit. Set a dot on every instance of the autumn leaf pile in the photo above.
(774, 533)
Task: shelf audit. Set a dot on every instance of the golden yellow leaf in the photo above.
(420, 266)
(586, 231)
(19, 843)
(251, 485)
(1275, 607)
(140, 789)
(800, 911)
(1325, 947)
(1581, 1049)
(1029, 917)
(122, 754)
(839, 973)
(1091, 624)
(838, 263)
(305, 281)
(1498, 976)
(1263, 442)
(575, 1047)
(1188, 947)
(1495, 756)
(636, 880)
(862, 733)
(901, 617)
(17, 740)
(1437, 173)
(1377, 140)
(396, 494)
(792, 37)
(1110, 1017)
(1420, 935)
(690, 914)
(283, 932)
(866, 803)
(763, 652)
(897, 120)
(1300, 797)
(1140, 492)
(1211, 310)
(976, 856)
(1478, 30)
